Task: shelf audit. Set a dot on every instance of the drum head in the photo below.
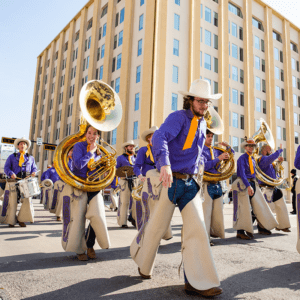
(125, 171)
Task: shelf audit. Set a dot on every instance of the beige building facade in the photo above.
(150, 50)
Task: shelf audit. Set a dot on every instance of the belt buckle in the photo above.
(187, 177)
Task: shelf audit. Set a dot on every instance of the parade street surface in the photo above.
(33, 264)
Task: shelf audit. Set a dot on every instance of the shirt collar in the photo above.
(190, 115)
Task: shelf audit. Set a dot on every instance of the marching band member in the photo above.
(42, 187)
(293, 190)
(18, 165)
(246, 192)
(273, 194)
(125, 200)
(297, 195)
(86, 205)
(177, 149)
(213, 195)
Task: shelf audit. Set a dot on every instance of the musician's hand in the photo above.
(223, 156)
(141, 178)
(33, 174)
(280, 158)
(225, 144)
(250, 191)
(166, 176)
(93, 147)
(13, 176)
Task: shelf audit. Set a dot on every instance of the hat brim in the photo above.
(209, 97)
(146, 133)
(17, 141)
(128, 144)
(244, 144)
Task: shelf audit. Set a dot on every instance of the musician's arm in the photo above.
(80, 159)
(33, 167)
(139, 162)
(8, 167)
(267, 160)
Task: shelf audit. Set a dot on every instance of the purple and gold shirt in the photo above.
(51, 174)
(122, 160)
(170, 138)
(143, 163)
(81, 158)
(243, 168)
(12, 165)
(265, 164)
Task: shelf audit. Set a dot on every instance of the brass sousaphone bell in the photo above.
(264, 135)
(101, 108)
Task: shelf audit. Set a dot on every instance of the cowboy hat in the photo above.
(147, 132)
(201, 89)
(248, 142)
(23, 139)
(131, 142)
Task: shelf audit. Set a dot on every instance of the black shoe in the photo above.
(124, 226)
(293, 212)
(263, 231)
(131, 220)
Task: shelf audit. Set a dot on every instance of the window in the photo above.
(283, 114)
(176, 21)
(295, 119)
(234, 73)
(207, 14)
(257, 83)
(117, 20)
(177, 2)
(119, 60)
(117, 89)
(263, 65)
(294, 100)
(278, 131)
(277, 73)
(294, 47)
(102, 50)
(234, 96)
(207, 38)
(175, 47)
(233, 29)
(207, 61)
(257, 24)
(277, 92)
(277, 37)
(115, 41)
(256, 42)
(257, 62)
(90, 24)
(296, 138)
(235, 120)
(120, 38)
(104, 11)
(137, 101)
(113, 65)
(242, 99)
(135, 130)
(142, 2)
(294, 81)
(234, 9)
(276, 54)
(216, 42)
(262, 42)
(200, 58)
(77, 36)
(87, 62)
(242, 120)
(258, 105)
(216, 87)
(138, 74)
(101, 73)
(174, 101)
(215, 65)
(216, 19)
(175, 74)
(140, 42)
(104, 30)
(100, 33)
(264, 106)
(114, 137)
(257, 125)
(235, 143)
(122, 15)
(282, 76)
(141, 22)
(241, 54)
(234, 51)
(89, 42)
(293, 63)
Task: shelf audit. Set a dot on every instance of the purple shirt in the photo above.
(209, 164)
(143, 163)
(169, 140)
(12, 165)
(81, 158)
(243, 168)
(43, 176)
(122, 160)
(297, 159)
(265, 164)
(51, 174)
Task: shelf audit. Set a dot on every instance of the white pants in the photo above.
(242, 219)
(113, 199)
(57, 201)
(279, 207)
(75, 212)
(198, 262)
(8, 210)
(124, 201)
(213, 214)
(47, 197)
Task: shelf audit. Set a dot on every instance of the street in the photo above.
(33, 264)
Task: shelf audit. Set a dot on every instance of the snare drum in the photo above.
(29, 187)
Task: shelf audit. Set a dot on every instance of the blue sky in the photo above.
(26, 29)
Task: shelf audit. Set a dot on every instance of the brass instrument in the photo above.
(136, 192)
(226, 167)
(264, 135)
(101, 108)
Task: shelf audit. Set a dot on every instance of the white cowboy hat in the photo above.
(23, 139)
(147, 132)
(131, 142)
(248, 142)
(201, 89)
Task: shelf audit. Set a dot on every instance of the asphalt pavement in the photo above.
(33, 264)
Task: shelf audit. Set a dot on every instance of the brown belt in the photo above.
(251, 179)
(183, 176)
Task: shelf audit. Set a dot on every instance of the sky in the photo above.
(26, 28)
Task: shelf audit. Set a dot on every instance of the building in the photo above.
(149, 50)
(5, 152)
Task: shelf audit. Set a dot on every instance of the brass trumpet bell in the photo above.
(214, 121)
(264, 134)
